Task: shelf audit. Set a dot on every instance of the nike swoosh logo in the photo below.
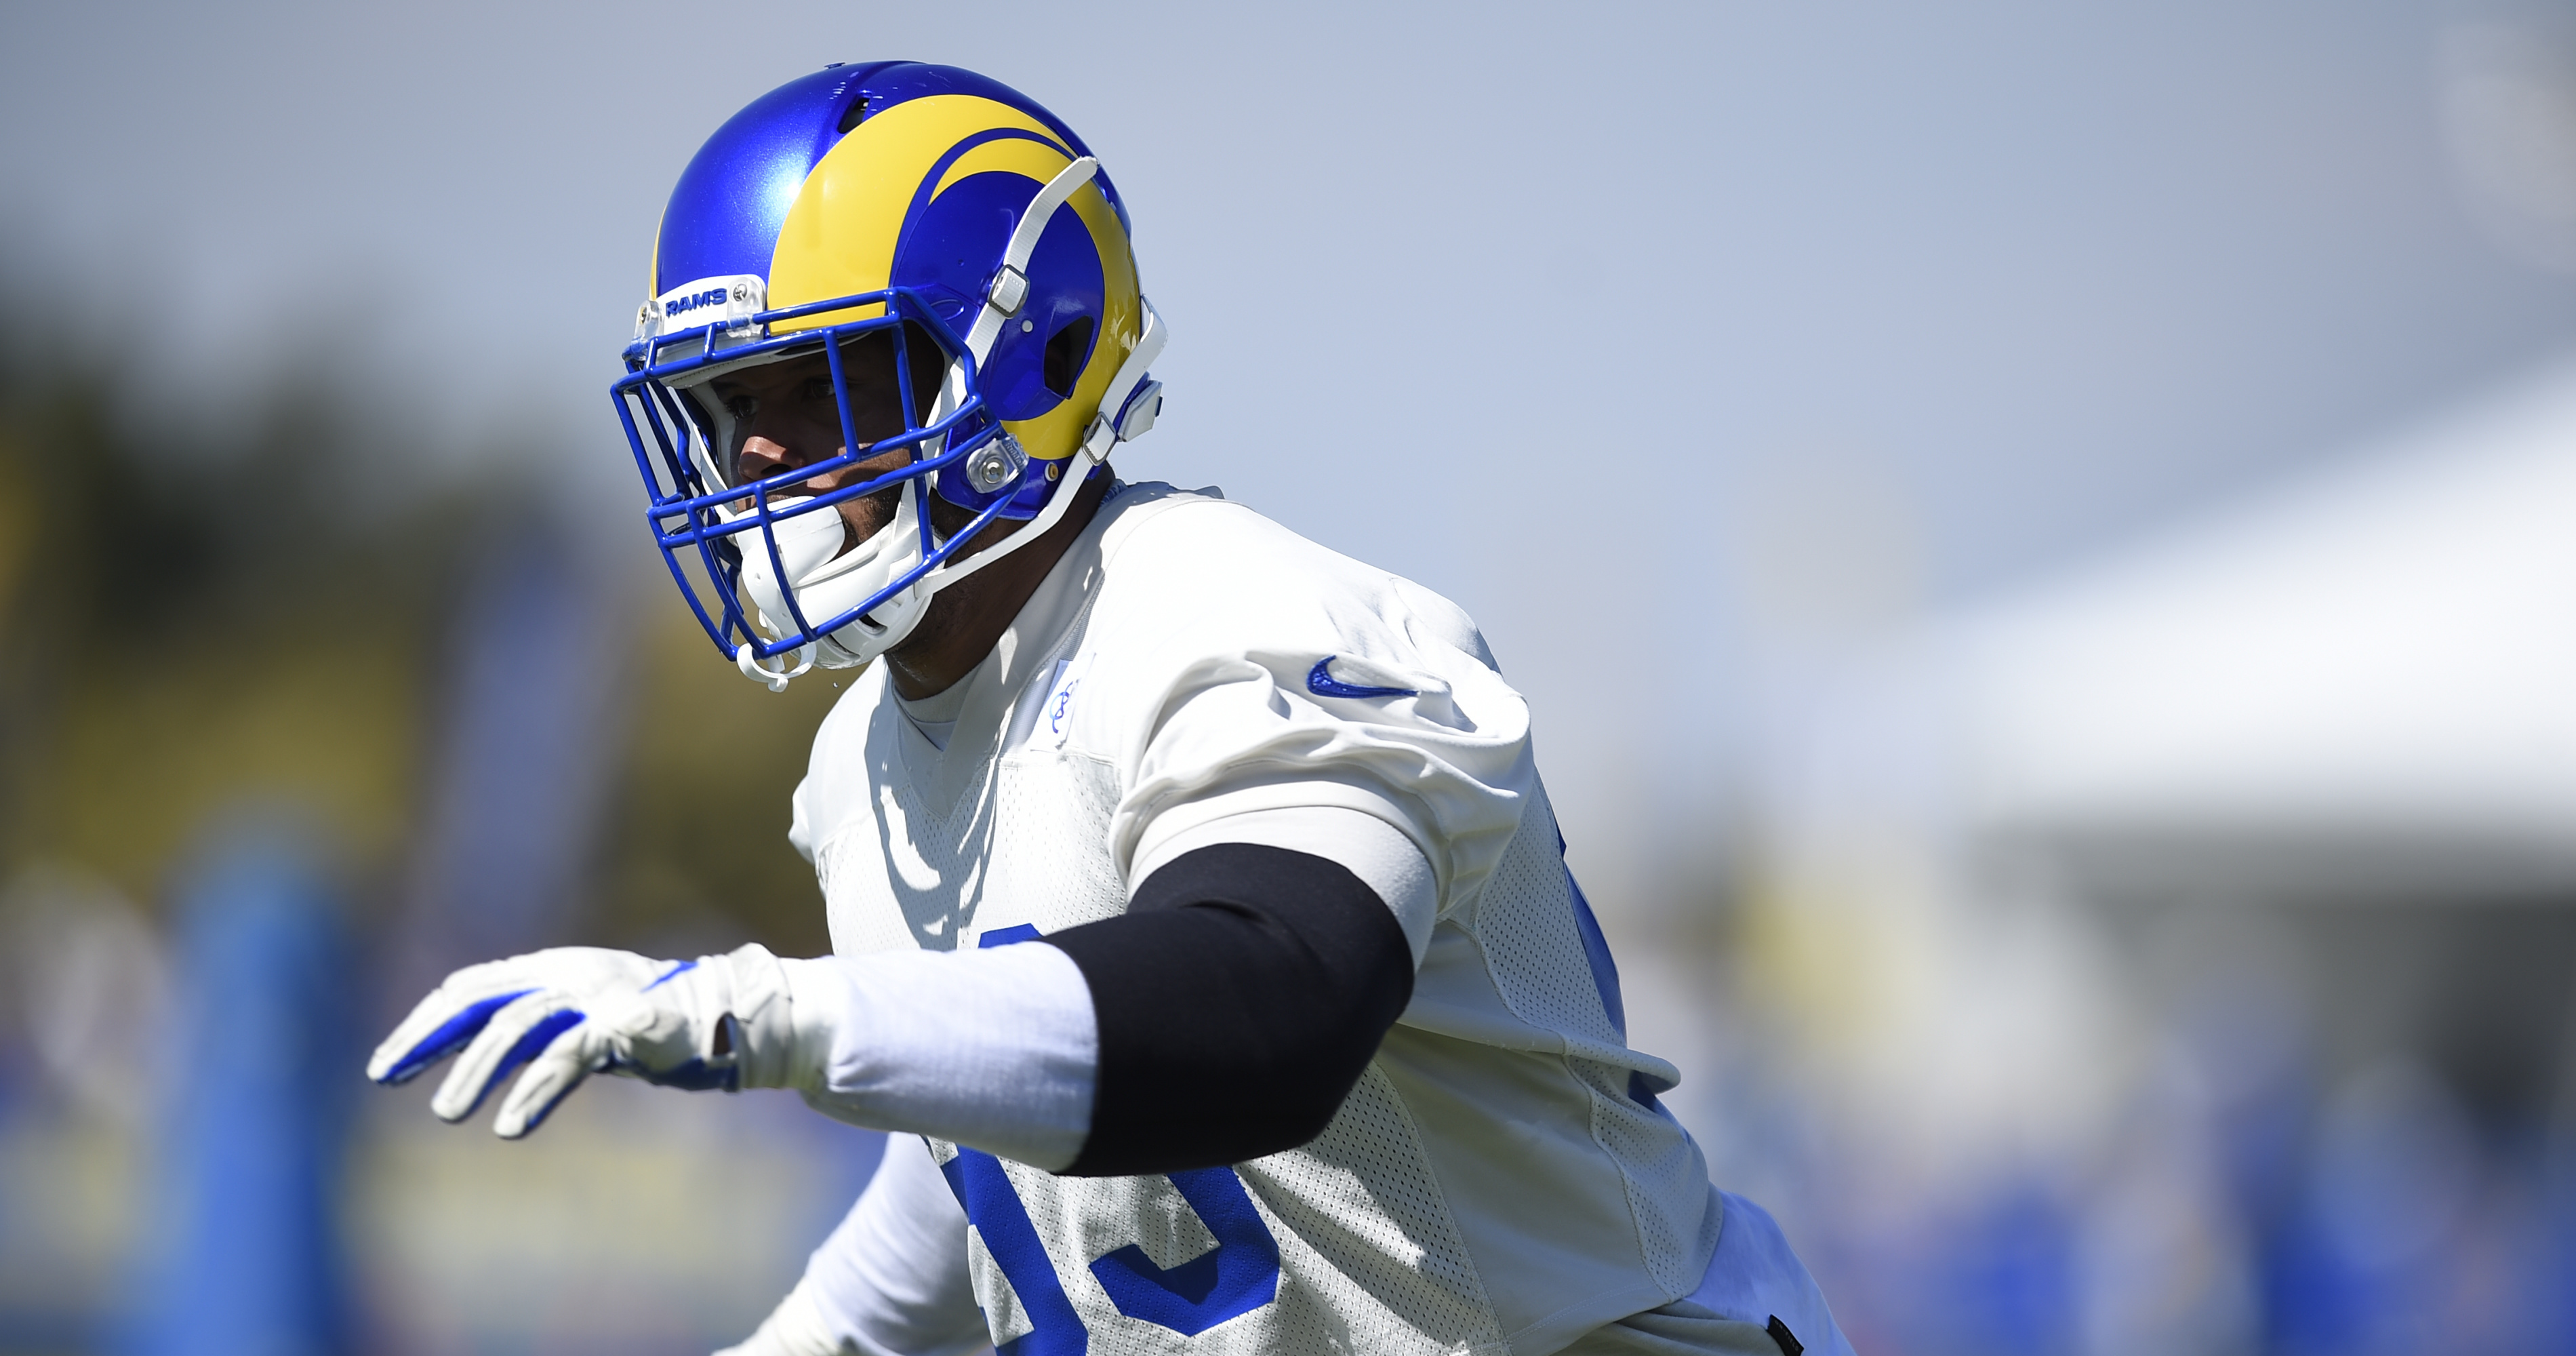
(1321, 682)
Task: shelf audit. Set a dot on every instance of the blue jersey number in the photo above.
(1240, 1274)
(995, 1211)
(1237, 1276)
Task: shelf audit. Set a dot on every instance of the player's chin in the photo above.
(865, 517)
(955, 520)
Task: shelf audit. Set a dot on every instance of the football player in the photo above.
(1200, 922)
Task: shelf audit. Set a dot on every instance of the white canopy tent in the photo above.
(2369, 682)
(2274, 817)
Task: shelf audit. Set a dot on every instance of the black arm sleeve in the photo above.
(1239, 998)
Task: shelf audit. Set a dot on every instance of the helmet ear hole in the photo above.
(1065, 352)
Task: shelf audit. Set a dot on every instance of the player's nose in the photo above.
(763, 455)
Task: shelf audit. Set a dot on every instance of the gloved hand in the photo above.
(715, 1022)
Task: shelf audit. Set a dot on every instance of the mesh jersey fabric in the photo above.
(1502, 1178)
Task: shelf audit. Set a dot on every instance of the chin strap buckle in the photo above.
(1134, 398)
(1135, 418)
(1010, 288)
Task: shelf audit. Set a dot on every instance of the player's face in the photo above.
(785, 417)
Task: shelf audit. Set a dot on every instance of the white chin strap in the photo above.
(1010, 286)
(828, 582)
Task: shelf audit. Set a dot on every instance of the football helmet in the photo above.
(898, 201)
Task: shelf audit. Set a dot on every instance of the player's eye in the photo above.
(815, 389)
(741, 407)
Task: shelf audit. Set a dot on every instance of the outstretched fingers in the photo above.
(441, 1024)
(518, 1032)
(545, 1007)
(551, 1077)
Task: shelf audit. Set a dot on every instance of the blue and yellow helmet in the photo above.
(923, 201)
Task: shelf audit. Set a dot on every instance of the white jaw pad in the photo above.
(805, 541)
(829, 581)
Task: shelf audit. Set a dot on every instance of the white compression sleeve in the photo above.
(996, 1049)
(999, 1049)
(893, 1279)
(890, 1281)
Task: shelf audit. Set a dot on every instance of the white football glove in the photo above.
(715, 1022)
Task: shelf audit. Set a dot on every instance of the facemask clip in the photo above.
(992, 466)
(775, 679)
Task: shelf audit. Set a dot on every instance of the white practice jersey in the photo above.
(1501, 1179)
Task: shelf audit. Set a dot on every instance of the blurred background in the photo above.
(2041, 539)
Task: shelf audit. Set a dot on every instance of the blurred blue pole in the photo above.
(245, 1243)
(521, 775)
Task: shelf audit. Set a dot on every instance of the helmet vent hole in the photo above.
(1064, 355)
(850, 116)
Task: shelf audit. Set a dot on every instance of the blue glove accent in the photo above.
(549, 1108)
(530, 1044)
(671, 974)
(694, 1076)
(553, 1018)
(449, 1038)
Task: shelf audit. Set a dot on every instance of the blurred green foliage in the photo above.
(197, 613)
(695, 848)
(194, 617)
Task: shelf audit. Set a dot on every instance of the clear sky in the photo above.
(1679, 342)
